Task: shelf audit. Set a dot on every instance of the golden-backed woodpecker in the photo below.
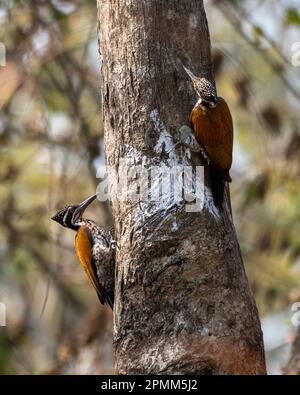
(212, 125)
(95, 248)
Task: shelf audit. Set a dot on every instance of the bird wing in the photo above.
(213, 129)
(83, 248)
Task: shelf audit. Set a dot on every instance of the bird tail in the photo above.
(218, 185)
(106, 297)
(110, 300)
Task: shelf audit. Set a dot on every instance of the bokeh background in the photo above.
(51, 143)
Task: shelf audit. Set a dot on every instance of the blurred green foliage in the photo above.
(292, 16)
(51, 138)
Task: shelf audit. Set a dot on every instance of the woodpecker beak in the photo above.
(190, 74)
(56, 217)
(83, 205)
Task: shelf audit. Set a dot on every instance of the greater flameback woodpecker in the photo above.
(212, 124)
(95, 248)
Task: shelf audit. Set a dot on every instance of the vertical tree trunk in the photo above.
(293, 365)
(183, 303)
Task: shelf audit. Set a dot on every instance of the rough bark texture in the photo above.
(183, 303)
(293, 366)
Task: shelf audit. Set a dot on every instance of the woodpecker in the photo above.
(95, 248)
(212, 125)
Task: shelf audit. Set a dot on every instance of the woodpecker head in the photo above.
(205, 90)
(70, 216)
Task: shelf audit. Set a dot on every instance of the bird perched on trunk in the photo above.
(213, 128)
(95, 248)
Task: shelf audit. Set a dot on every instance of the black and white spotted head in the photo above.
(70, 216)
(205, 90)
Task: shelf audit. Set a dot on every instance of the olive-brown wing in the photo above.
(213, 129)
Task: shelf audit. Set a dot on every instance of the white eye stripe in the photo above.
(65, 217)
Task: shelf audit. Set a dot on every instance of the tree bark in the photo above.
(293, 365)
(182, 299)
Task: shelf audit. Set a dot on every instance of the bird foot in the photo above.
(188, 139)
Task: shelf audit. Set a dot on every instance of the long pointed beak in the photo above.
(190, 74)
(55, 217)
(83, 205)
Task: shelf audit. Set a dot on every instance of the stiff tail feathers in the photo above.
(217, 186)
(106, 297)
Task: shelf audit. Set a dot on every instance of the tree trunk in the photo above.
(293, 366)
(183, 303)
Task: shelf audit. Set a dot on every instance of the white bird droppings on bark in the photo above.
(165, 140)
